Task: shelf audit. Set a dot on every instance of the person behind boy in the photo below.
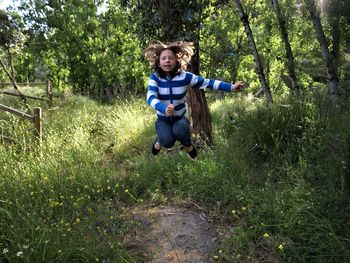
(167, 89)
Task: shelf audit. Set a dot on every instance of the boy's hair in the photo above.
(183, 51)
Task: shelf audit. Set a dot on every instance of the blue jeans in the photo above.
(168, 131)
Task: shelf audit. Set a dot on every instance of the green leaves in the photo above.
(86, 45)
(11, 30)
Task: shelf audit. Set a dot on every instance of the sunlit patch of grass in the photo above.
(130, 124)
(61, 203)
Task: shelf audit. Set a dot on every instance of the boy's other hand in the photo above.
(239, 86)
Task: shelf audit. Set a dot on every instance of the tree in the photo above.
(337, 13)
(334, 13)
(258, 65)
(332, 76)
(11, 40)
(221, 44)
(285, 38)
(86, 45)
(198, 109)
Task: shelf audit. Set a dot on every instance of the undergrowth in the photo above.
(276, 179)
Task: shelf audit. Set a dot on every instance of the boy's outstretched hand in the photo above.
(239, 86)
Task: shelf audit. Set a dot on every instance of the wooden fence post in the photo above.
(37, 125)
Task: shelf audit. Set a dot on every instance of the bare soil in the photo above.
(171, 234)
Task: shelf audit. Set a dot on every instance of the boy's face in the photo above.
(167, 61)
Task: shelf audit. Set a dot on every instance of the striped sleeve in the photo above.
(202, 83)
(152, 95)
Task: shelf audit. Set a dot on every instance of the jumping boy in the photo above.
(167, 89)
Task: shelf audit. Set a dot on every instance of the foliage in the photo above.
(85, 46)
(95, 47)
(168, 20)
(221, 44)
(12, 39)
(10, 34)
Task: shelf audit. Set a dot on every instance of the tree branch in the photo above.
(12, 80)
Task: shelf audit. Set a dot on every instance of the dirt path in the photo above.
(171, 234)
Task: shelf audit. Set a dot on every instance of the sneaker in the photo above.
(193, 153)
(154, 150)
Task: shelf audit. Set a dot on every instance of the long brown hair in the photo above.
(183, 51)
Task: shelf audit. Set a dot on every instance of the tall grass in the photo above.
(61, 202)
(296, 154)
(276, 178)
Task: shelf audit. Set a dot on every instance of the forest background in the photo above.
(276, 174)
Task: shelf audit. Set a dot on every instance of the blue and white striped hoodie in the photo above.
(172, 90)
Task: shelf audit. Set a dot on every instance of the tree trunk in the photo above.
(332, 76)
(12, 78)
(289, 53)
(335, 11)
(198, 109)
(258, 64)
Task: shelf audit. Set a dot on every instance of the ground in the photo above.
(172, 234)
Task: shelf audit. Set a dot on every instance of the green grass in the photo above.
(276, 179)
